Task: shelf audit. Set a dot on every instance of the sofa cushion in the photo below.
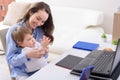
(76, 16)
(16, 10)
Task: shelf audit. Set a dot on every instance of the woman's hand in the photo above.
(45, 41)
(36, 53)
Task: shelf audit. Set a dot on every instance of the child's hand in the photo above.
(45, 41)
(45, 50)
(35, 53)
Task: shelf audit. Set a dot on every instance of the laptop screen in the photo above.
(117, 56)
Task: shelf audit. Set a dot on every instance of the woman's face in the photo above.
(37, 19)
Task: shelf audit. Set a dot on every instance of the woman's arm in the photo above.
(14, 55)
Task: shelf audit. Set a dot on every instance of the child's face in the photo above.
(29, 41)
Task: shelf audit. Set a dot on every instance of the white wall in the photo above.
(107, 6)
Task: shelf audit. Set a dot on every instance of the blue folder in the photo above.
(86, 46)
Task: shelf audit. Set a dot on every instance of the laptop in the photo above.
(104, 62)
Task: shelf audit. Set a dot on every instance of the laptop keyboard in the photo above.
(102, 61)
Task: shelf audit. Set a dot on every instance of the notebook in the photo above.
(107, 68)
(86, 45)
(69, 61)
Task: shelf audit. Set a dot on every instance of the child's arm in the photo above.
(45, 41)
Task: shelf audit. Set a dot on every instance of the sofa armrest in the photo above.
(3, 31)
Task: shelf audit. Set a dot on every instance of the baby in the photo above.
(24, 38)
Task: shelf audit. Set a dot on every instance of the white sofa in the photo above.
(70, 24)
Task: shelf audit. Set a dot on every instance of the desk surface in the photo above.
(54, 72)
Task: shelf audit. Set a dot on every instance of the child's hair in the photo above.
(19, 33)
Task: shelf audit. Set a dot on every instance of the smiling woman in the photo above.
(39, 21)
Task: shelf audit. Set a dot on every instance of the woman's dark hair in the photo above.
(48, 26)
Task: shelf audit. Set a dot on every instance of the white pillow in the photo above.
(16, 10)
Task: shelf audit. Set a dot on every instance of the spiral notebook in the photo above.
(86, 45)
